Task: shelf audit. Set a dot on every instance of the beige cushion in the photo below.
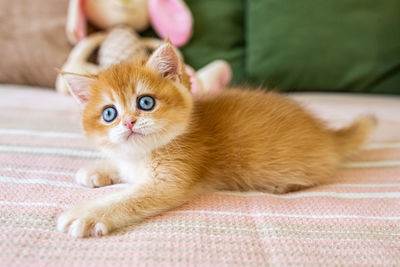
(32, 41)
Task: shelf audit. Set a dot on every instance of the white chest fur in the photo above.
(134, 171)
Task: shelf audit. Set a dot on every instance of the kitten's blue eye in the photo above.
(109, 114)
(146, 103)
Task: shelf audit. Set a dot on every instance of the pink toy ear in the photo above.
(79, 86)
(166, 62)
(171, 18)
(76, 21)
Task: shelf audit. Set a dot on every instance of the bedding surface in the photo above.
(354, 221)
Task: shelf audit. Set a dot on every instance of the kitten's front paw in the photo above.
(95, 176)
(83, 221)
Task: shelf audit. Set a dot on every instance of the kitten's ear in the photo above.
(166, 61)
(79, 86)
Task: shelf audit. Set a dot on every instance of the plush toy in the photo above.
(120, 21)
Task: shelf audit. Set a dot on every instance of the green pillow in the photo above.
(330, 45)
(218, 33)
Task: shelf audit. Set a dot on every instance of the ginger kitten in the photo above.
(171, 148)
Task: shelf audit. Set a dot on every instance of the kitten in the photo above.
(171, 148)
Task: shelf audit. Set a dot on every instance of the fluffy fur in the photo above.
(234, 140)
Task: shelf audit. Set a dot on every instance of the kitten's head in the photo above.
(135, 107)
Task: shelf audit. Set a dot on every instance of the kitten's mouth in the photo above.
(133, 133)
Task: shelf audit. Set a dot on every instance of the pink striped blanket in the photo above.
(355, 221)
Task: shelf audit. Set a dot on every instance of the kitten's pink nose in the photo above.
(129, 122)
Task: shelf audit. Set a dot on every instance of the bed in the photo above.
(355, 221)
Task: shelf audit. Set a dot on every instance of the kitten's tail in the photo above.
(350, 138)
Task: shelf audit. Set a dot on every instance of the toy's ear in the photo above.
(76, 21)
(171, 19)
(79, 86)
(166, 62)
